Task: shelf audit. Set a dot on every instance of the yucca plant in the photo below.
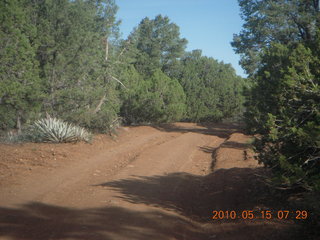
(55, 130)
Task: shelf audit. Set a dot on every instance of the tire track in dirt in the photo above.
(165, 156)
(45, 185)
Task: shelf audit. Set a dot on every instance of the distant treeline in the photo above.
(65, 58)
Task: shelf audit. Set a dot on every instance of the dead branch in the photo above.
(123, 50)
(107, 49)
(114, 78)
(98, 107)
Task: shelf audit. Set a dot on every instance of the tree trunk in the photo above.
(19, 122)
(107, 49)
(97, 109)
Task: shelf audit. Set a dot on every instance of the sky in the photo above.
(208, 25)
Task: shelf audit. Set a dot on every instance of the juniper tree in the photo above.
(20, 85)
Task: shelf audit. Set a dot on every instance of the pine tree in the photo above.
(159, 44)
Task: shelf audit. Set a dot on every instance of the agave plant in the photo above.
(55, 130)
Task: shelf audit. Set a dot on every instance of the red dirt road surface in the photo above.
(148, 183)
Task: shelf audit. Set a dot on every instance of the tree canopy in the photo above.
(266, 22)
(159, 44)
(213, 90)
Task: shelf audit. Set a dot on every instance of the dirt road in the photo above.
(148, 183)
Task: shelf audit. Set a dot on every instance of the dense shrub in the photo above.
(285, 104)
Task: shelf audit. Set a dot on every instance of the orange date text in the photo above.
(263, 214)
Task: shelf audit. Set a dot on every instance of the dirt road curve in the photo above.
(148, 183)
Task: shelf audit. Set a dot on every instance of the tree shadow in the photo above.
(235, 145)
(196, 197)
(192, 197)
(208, 149)
(212, 125)
(37, 221)
(219, 129)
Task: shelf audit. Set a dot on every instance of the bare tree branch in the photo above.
(114, 78)
(118, 81)
(124, 49)
(98, 107)
(107, 49)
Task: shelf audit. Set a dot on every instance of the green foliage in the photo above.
(155, 99)
(20, 85)
(280, 49)
(57, 131)
(56, 62)
(212, 88)
(158, 43)
(273, 21)
(72, 42)
(11, 137)
(286, 103)
(65, 58)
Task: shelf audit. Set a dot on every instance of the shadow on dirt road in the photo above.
(193, 197)
(38, 221)
(197, 196)
(220, 130)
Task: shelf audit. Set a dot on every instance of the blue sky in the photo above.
(208, 25)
